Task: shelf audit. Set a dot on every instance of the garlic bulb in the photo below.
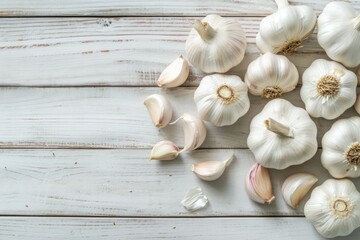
(339, 33)
(222, 99)
(194, 131)
(341, 148)
(271, 75)
(284, 30)
(216, 44)
(160, 110)
(258, 185)
(334, 208)
(175, 74)
(164, 150)
(296, 186)
(328, 89)
(211, 170)
(282, 135)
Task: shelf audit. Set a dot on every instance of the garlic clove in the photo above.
(194, 200)
(160, 110)
(296, 186)
(164, 150)
(175, 74)
(258, 185)
(194, 131)
(211, 170)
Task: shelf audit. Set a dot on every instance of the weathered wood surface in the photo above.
(148, 7)
(126, 183)
(112, 118)
(109, 51)
(19, 228)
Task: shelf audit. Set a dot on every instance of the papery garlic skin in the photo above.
(282, 135)
(328, 89)
(284, 30)
(216, 44)
(194, 131)
(339, 33)
(175, 74)
(334, 208)
(271, 75)
(160, 110)
(222, 99)
(296, 186)
(341, 148)
(211, 170)
(258, 185)
(164, 150)
(194, 200)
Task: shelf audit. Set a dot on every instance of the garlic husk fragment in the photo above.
(282, 135)
(222, 99)
(271, 75)
(334, 208)
(285, 30)
(194, 200)
(328, 89)
(194, 131)
(216, 44)
(258, 185)
(164, 150)
(341, 148)
(175, 74)
(211, 170)
(160, 110)
(296, 186)
(339, 33)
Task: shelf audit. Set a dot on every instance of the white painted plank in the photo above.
(44, 228)
(111, 118)
(147, 7)
(109, 52)
(126, 183)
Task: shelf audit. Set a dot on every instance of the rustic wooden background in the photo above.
(75, 137)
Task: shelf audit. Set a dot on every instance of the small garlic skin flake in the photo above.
(160, 110)
(334, 208)
(194, 200)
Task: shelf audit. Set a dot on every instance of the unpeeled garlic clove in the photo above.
(296, 186)
(258, 185)
(160, 110)
(175, 74)
(194, 131)
(211, 170)
(164, 150)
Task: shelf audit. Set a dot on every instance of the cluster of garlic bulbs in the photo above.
(281, 135)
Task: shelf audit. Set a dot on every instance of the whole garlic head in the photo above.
(222, 99)
(216, 44)
(328, 89)
(341, 148)
(284, 30)
(334, 208)
(282, 135)
(339, 33)
(271, 75)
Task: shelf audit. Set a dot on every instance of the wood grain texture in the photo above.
(112, 118)
(148, 7)
(17, 228)
(126, 183)
(110, 51)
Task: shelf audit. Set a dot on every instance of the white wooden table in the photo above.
(75, 136)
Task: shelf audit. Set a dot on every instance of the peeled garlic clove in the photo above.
(194, 200)
(164, 150)
(296, 187)
(194, 131)
(258, 185)
(175, 74)
(211, 170)
(160, 110)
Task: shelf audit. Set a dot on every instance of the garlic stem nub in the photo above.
(206, 32)
(279, 128)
